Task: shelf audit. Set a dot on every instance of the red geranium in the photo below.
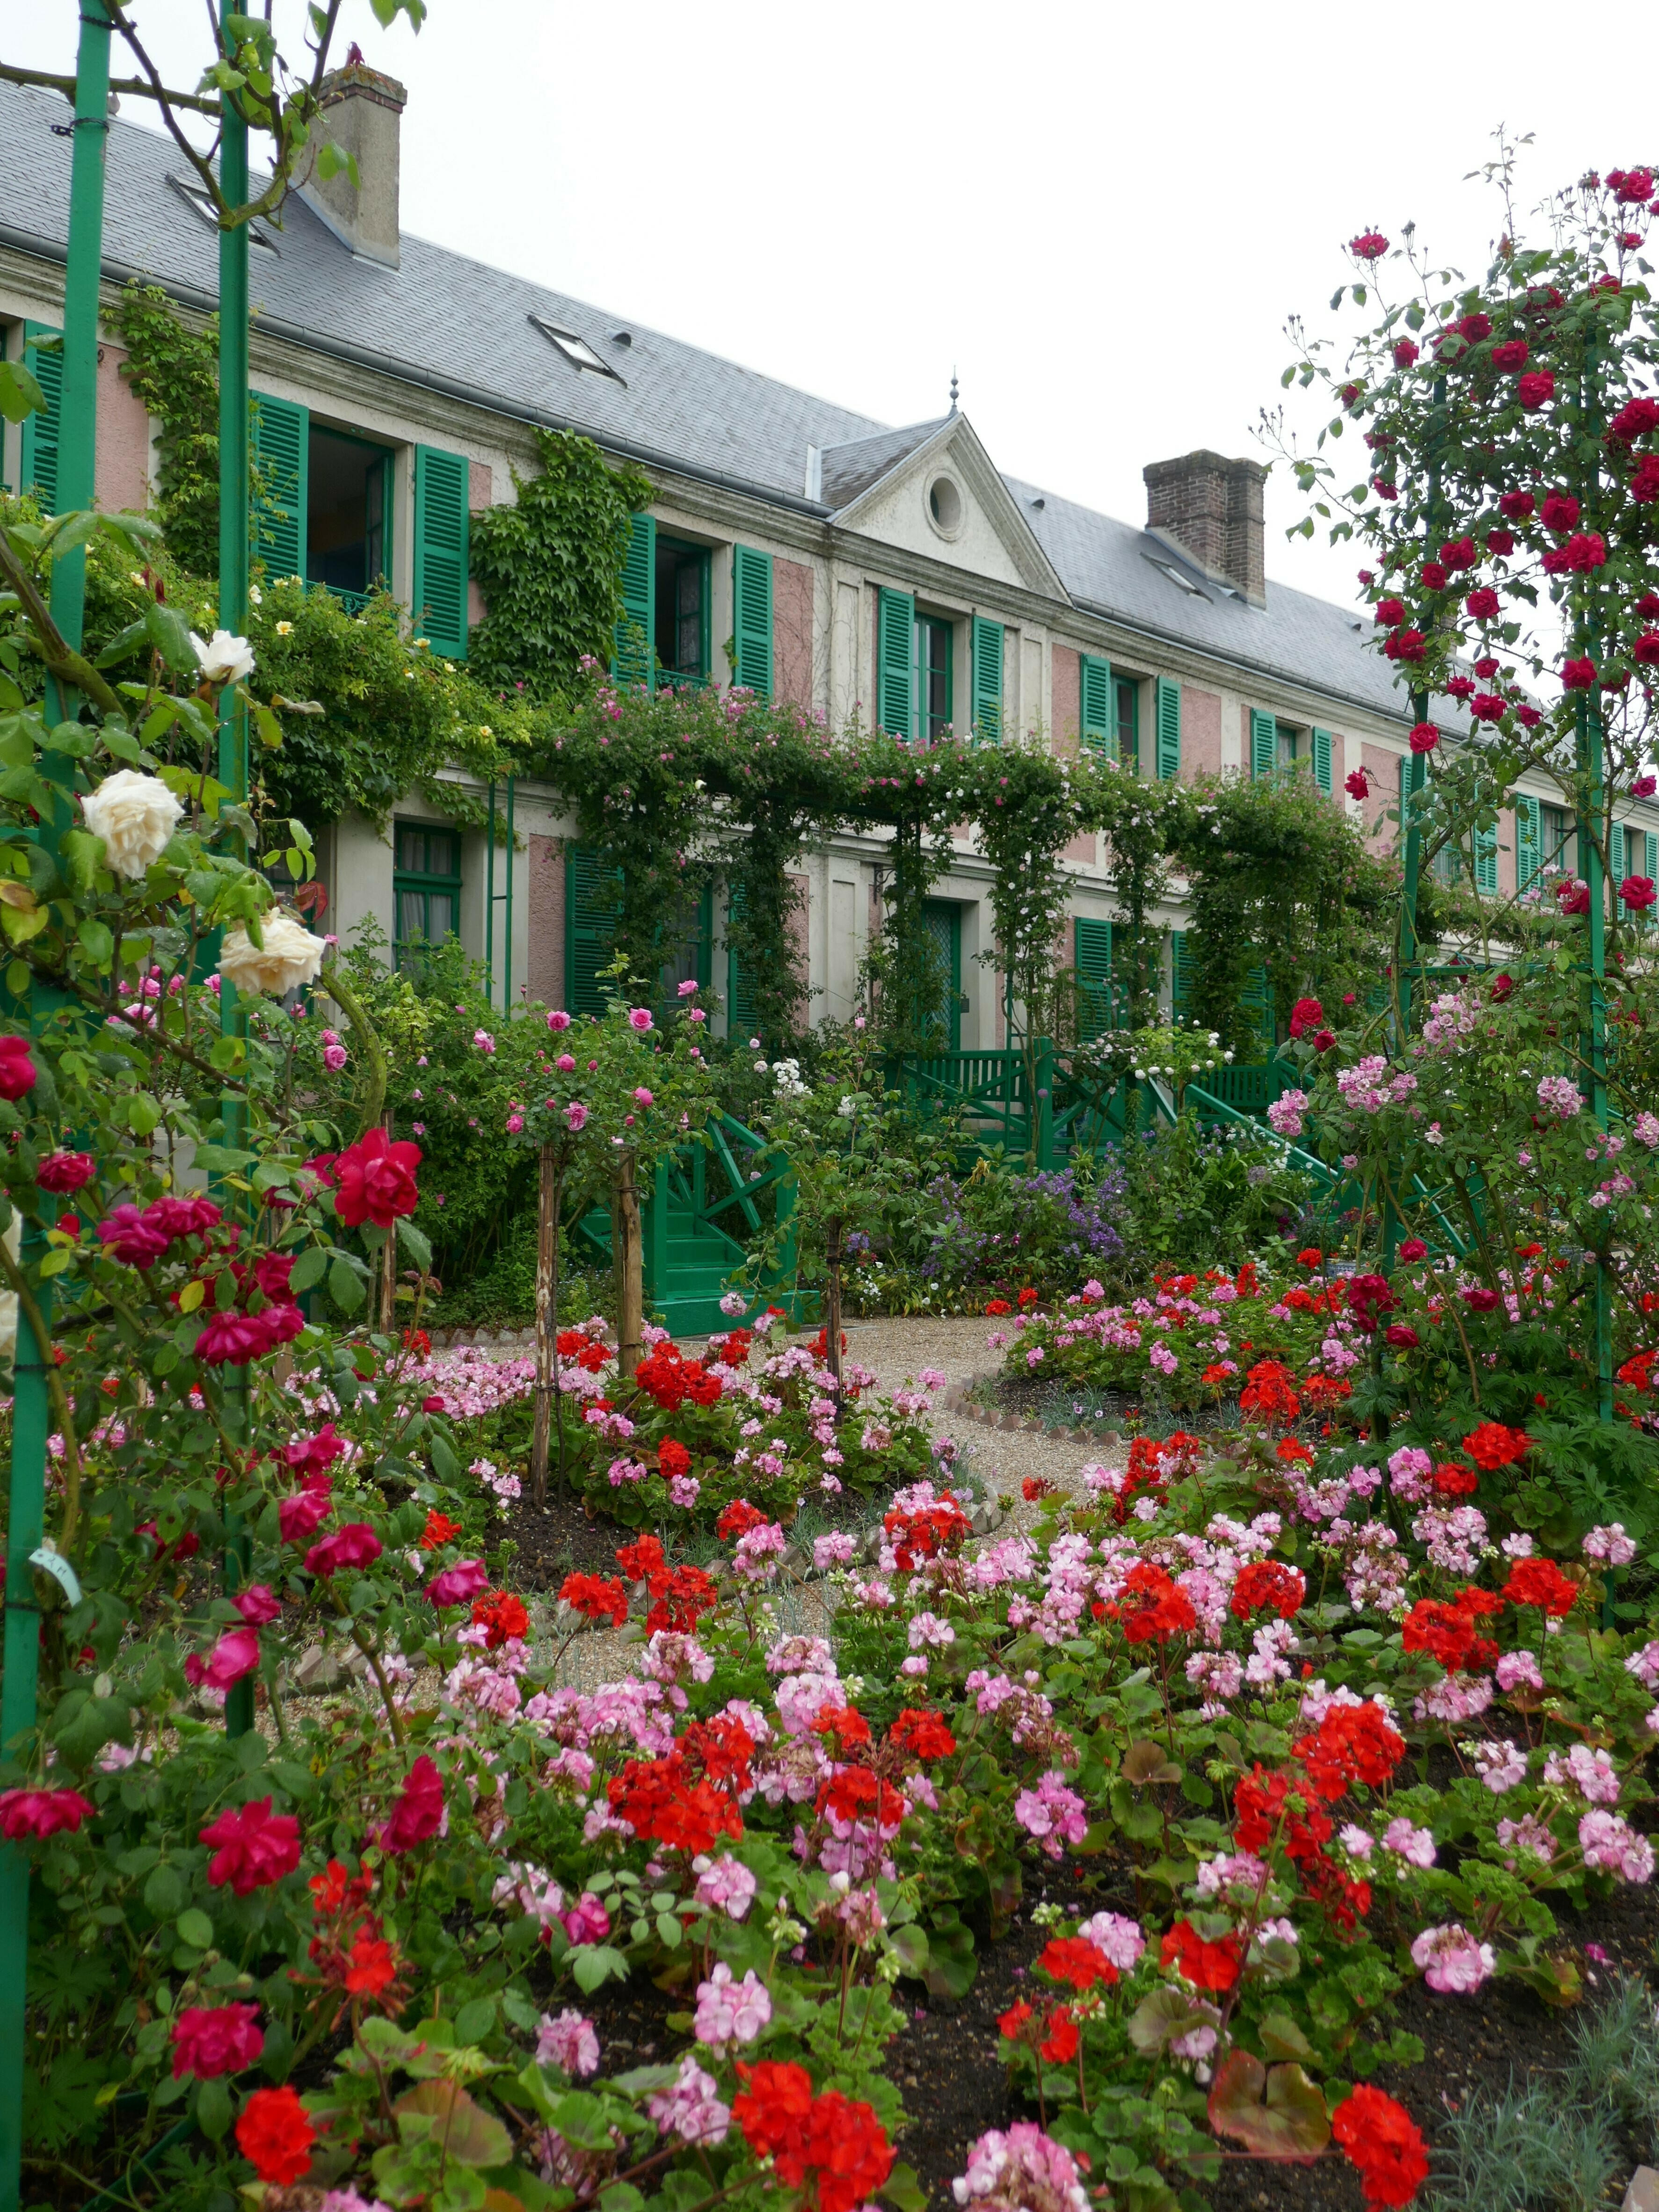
(1446, 1631)
(1206, 1965)
(1151, 1605)
(1268, 1583)
(596, 1598)
(274, 2134)
(1493, 1445)
(1452, 1480)
(672, 1459)
(1541, 1582)
(374, 1180)
(924, 1736)
(1382, 2141)
(830, 2145)
(661, 1803)
(440, 1529)
(1074, 1959)
(1352, 1743)
(846, 1724)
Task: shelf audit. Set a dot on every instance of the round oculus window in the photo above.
(945, 507)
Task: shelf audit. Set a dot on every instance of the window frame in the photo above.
(687, 554)
(1125, 687)
(425, 883)
(922, 718)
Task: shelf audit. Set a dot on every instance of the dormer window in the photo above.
(576, 350)
(199, 201)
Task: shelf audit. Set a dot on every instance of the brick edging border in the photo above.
(954, 1399)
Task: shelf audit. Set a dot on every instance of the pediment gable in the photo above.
(936, 493)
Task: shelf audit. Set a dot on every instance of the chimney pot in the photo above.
(1211, 508)
(362, 115)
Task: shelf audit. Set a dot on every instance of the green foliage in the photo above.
(173, 368)
(550, 567)
(1223, 1194)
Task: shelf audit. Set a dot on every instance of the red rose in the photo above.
(1480, 1300)
(1459, 553)
(1474, 327)
(257, 1606)
(1578, 675)
(1370, 246)
(1405, 645)
(461, 1583)
(1486, 706)
(1637, 892)
(374, 1180)
(1644, 484)
(1502, 987)
(1483, 604)
(1305, 1014)
(1631, 186)
(1424, 738)
(1434, 576)
(418, 1812)
(1401, 1335)
(1510, 354)
(1584, 550)
(63, 1172)
(1529, 717)
(356, 1545)
(251, 1847)
(18, 1073)
(1518, 506)
(1646, 648)
(1323, 1040)
(300, 1517)
(1406, 351)
(1537, 386)
(232, 1339)
(209, 2040)
(1560, 512)
(1634, 420)
(40, 1813)
(1357, 783)
(235, 1654)
(1487, 667)
(1572, 897)
(274, 2134)
(1413, 1248)
(1500, 541)
(1390, 613)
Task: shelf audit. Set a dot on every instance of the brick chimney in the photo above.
(362, 115)
(1211, 508)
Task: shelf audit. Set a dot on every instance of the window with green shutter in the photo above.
(1264, 743)
(591, 900)
(1094, 687)
(1558, 838)
(1485, 859)
(40, 432)
(426, 889)
(1319, 750)
(1529, 840)
(1183, 976)
(896, 645)
(1092, 958)
(1166, 712)
(751, 605)
(985, 653)
(438, 600)
(680, 617)
(1126, 709)
(935, 679)
(282, 451)
(631, 654)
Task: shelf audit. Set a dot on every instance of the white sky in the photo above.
(1100, 217)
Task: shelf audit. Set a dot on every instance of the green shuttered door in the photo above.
(441, 528)
(40, 432)
(1167, 705)
(752, 602)
(281, 440)
(1322, 760)
(1264, 743)
(590, 923)
(1095, 701)
(1093, 961)
(632, 660)
(985, 655)
(895, 624)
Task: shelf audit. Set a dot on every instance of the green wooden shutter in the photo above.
(1528, 839)
(1166, 716)
(1264, 743)
(1182, 976)
(1322, 760)
(41, 432)
(441, 485)
(1485, 859)
(282, 440)
(752, 600)
(1650, 858)
(739, 982)
(896, 649)
(590, 925)
(633, 661)
(1095, 702)
(986, 656)
(1093, 961)
(1257, 1001)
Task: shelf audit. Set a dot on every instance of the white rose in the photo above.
(291, 956)
(135, 815)
(224, 658)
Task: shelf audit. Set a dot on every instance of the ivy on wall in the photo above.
(550, 567)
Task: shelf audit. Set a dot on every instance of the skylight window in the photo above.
(577, 352)
(1176, 576)
(200, 201)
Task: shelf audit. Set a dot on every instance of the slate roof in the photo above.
(454, 324)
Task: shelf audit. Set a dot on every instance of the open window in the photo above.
(682, 611)
(348, 522)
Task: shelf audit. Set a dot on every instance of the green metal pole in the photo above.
(1592, 825)
(489, 895)
(233, 721)
(506, 977)
(31, 1413)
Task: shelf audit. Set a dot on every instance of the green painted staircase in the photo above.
(698, 1261)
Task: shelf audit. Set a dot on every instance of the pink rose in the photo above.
(356, 1544)
(251, 1847)
(418, 1811)
(235, 1654)
(459, 1584)
(209, 2040)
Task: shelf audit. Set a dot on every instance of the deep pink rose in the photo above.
(40, 1813)
(16, 1068)
(257, 1605)
(251, 1847)
(209, 2040)
(235, 1654)
(231, 1340)
(459, 1584)
(183, 1217)
(313, 1454)
(131, 1238)
(418, 1811)
(588, 1921)
(301, 1516)
(356, 1544)
(374, 1180)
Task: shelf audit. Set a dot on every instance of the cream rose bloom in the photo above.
(135, 815)
(224, 658)
(291, 956)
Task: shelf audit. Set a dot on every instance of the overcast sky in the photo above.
(1099, 217)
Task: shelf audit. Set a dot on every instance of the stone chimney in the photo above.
(362, 115)
(1211, 508)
